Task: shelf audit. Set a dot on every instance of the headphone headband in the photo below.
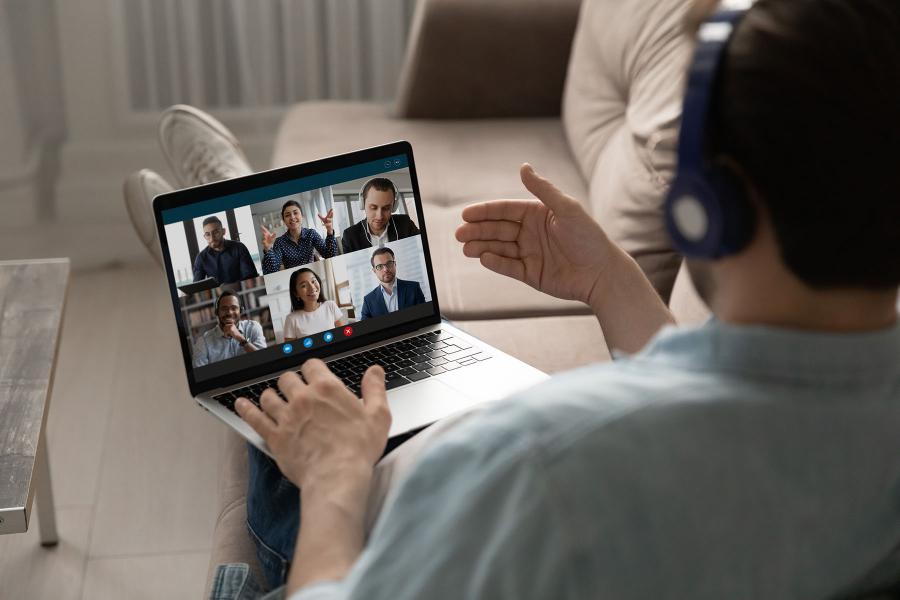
(707, 211)
(397, 195)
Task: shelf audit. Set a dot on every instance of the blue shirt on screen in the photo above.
(294, 254)
(721, 462)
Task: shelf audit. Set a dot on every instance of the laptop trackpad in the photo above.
(424, 403)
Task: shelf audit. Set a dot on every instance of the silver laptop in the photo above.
(355, 291)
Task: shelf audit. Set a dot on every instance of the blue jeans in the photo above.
(235, 582)
(273, 512)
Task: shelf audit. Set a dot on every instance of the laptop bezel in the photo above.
(185, 197)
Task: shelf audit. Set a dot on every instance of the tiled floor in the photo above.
(134, 461)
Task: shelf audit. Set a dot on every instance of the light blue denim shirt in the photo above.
(720, 462)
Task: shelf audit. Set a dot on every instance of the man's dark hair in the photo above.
(290, 203)
(212, 219)
(380, 251)
(381, 184)
(808, 105)
(297, 303)
(222, 296)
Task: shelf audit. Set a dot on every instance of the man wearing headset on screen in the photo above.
(380, 200)
(232, 336)
(756, 456)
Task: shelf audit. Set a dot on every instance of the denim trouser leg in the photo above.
(273, 516)
(273, 512)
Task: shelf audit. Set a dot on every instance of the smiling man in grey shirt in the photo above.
(231, 337)
(757, 456)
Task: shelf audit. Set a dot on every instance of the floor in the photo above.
(135, 462)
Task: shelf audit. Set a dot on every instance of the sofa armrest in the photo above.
(480, 59)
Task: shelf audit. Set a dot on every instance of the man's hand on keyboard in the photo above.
(323, 435)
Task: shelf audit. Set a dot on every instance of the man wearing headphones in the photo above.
(756, 456)
(231, 336)
(380, 199)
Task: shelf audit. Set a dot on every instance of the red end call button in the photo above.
(348, 331)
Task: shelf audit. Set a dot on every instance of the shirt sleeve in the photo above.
(472, 521)
(201, 356)
(420, 297)
(336, 312)
(290, 328)
(199, 273)
(327, 247)
(272, 258)
(255, 335)
(248, 269)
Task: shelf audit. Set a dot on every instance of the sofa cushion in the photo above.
(458, 162)
(621, 108)
(551, 344)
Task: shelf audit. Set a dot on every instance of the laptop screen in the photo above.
(268, 270)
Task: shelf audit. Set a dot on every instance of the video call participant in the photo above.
(380, 199)
(393, 294)
(226, 260)
(231, 337)
(295, 246)
(311, 311)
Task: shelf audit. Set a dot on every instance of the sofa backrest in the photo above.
(621, 110)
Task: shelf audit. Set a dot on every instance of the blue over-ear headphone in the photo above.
(707, 210)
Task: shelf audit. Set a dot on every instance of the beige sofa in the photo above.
(482, 90)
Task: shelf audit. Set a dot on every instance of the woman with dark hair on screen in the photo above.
(295, 246)
(311, 311)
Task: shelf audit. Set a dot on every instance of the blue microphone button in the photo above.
(328, 336)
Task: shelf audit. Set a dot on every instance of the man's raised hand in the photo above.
(552, 243)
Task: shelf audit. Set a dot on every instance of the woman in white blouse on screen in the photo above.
(311, 312)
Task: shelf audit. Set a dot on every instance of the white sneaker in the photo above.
(140, 188)
(199, 148)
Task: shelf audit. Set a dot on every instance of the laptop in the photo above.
(315, 295)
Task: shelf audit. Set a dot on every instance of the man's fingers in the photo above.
(546, 192)
(374, 394)
(504, 231)
(272, 405)
(315, 370)
(255, 418)
(290, 384)
(510, 267)
(476, 248)
(497, 210)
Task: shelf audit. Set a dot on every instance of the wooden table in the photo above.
(32, 297)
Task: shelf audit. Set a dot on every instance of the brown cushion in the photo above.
(458, 161)
(231, 541)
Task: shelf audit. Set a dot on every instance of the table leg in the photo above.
(44, 491)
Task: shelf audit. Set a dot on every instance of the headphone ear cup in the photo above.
(709, 215)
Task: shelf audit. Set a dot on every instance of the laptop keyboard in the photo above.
(406, 361)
